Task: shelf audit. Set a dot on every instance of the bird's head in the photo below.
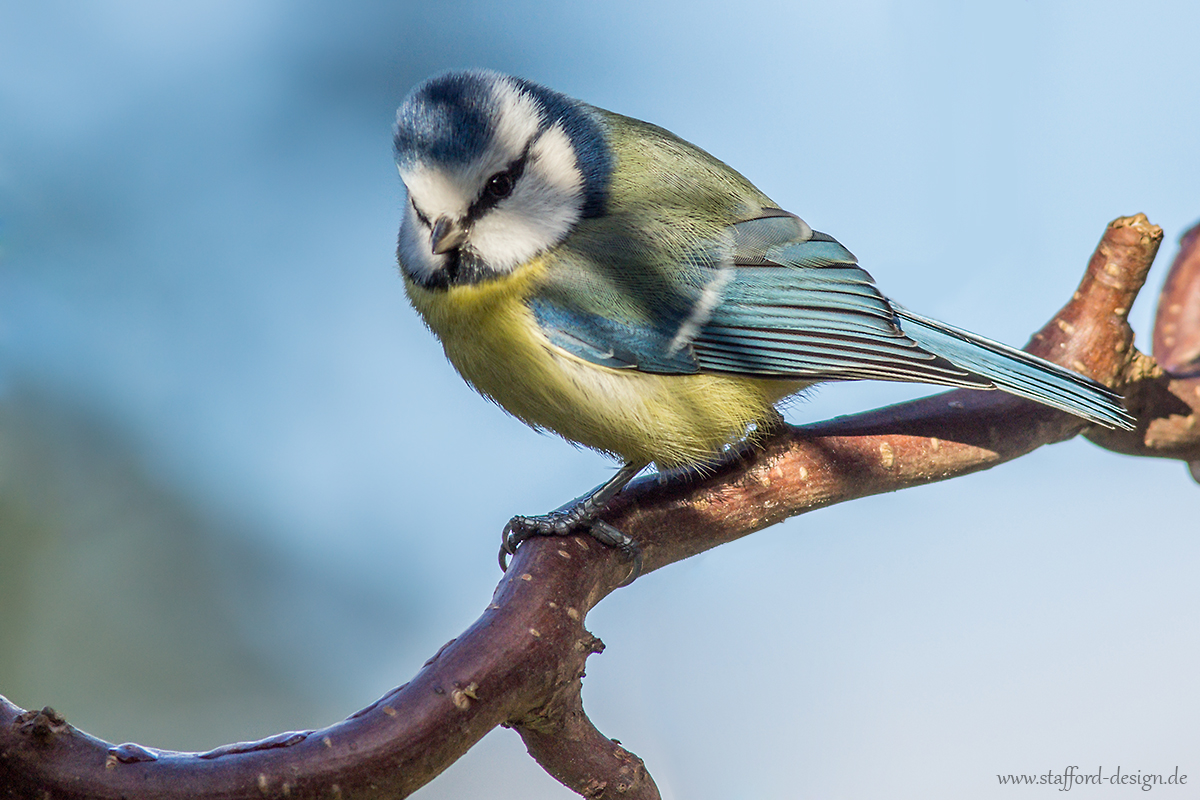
(497, 169)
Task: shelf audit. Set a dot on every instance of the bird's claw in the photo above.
(606, 534)
(564, 523)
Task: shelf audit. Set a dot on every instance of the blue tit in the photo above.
(599, 277)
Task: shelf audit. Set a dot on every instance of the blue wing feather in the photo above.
(780, 300)
(802, 307)
(609, 343)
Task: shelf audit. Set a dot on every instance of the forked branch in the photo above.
(520, 664)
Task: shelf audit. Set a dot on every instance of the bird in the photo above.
(601, 278)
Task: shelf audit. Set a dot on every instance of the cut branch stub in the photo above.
(1164, 392)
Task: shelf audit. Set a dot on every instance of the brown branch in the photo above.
(520, 664)
(564, 741)
(1165, 395)
(933, 438)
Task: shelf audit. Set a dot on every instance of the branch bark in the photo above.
(521, 663)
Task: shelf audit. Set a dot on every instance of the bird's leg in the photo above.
(579, 516)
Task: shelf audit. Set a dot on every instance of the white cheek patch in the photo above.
(541, 211)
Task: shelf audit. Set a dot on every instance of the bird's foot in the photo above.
(565, 523)
(580, 516)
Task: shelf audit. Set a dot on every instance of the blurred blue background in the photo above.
(241, 491)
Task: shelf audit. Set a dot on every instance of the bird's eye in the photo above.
(499, 186)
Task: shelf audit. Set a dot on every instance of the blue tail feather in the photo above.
(1018, 372)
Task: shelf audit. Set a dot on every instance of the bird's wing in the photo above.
(776, 299)
(617, 341)
(797, 305)
(769, 298)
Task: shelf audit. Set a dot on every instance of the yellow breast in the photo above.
(492, 338)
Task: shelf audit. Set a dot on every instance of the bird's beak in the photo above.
(447, 234)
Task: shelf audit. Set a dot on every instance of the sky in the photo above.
(241, 434)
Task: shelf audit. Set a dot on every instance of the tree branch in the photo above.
(1165, 396)
(520, 664)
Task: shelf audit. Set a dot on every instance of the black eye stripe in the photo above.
(488, 197)
(420, 215)
(487, 200)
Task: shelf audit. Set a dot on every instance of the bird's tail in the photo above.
(1017, 372)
